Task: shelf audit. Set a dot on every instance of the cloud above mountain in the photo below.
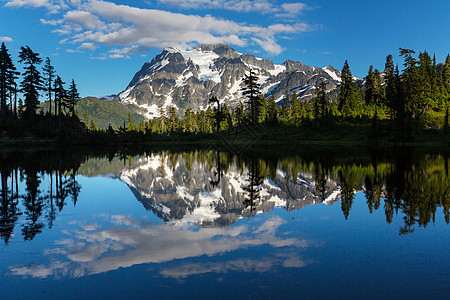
(93, 23)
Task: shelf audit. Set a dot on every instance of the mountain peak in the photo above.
(188, 78)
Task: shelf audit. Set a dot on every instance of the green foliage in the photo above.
(104, 112)
(347, 97)
(32, 81)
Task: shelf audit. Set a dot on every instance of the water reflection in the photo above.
(35, 200)
(131, 242)
(215, 189)
(204, 199)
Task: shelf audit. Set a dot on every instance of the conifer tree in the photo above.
(217, 116)
(189, 121)
(172, 119)
(296, 113)
(161, 119)
(446, 73)
(320, 102)
(347, 98)
(250, 89)
(412, 89)
(31, 84)
(8, 75)
(49, 75)
(60, 95)
(391, 88)
(271, 110)
(72, 97)
(369, 85)
(130, 123)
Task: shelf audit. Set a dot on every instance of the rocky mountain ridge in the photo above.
(188, 78)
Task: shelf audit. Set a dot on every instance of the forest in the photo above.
(391, 104)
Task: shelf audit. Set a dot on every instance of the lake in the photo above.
(316, 223)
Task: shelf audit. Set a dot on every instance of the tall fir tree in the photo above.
(320, 103)
(295, 110)
(8, 76)
(413, 90)
(347, 98)
(72, 97)
(49, 76)
(271, 110)
(60, 95)
(250, 89)
(32, 81)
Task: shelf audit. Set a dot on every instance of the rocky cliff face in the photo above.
(187, 79)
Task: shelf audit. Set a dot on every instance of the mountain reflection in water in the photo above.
(202, 198)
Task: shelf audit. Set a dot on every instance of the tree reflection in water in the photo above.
(35, 186)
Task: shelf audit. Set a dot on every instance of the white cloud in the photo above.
(53, 6)
(6, 39)
(112, 25)
(287, 10)
(87, 252)
(88, 46)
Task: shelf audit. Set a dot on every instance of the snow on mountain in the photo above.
(188, 78)
(178, 194)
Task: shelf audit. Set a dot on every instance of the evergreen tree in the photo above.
(226, 122)
(72, 97)
(172, 119)
(8, 75)
(189, 121)
(347, 98)
(32, 82)
(320, 103)
(161, 119)
(217, 116)
(49, 74)
(250, 89)
(295, 110)
(414, 92)
(130, 123)
(446, 73)
(369, 85)
(60, 95)
(272, 110)
(391, 88)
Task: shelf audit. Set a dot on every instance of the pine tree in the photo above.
(8, 75)
(296, 113)
(72, 97)
(49, 74)
(217, 116)
(369, 85)
(272, 110)
(60, 95)
(347, 99)
(250, 89)
(320, 103)
(391, 87)
(446, 73)
(172, 119)
(130, 123)
(31, 84)
(415, 101)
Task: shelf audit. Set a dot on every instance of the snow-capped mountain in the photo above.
(177, 191)
(188, 78)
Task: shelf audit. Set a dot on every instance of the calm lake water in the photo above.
(327, 223)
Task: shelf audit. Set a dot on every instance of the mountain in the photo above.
(105, 112)
(188, 78)
(179, 189)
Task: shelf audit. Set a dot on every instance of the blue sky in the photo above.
(101, 44)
